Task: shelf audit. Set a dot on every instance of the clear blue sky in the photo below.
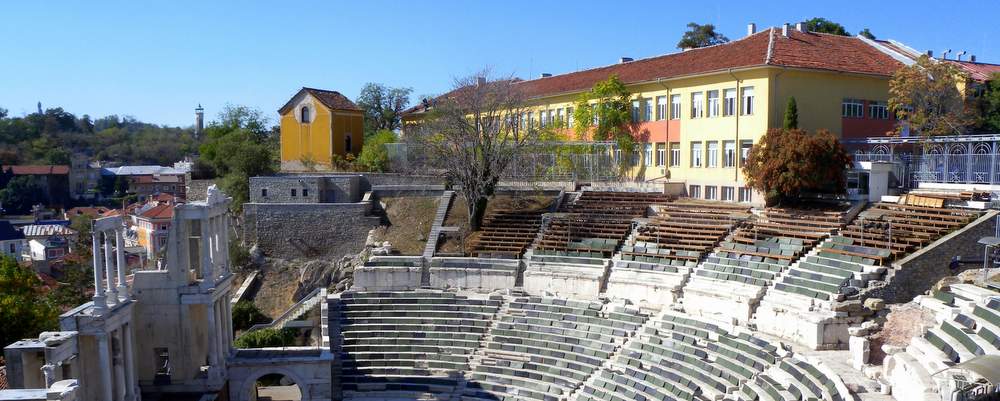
(157, 60)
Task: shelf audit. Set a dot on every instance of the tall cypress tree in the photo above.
(791, 114)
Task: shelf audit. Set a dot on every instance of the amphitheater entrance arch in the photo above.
(287, 374)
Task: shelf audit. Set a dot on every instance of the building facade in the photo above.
(316, 126)
(696, 113)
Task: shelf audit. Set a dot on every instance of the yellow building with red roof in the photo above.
(699, 111)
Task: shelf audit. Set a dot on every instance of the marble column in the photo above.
(220, 330)
(100, 303)
(224, 233)
(129, 358)
(109, 268)
(206, 252)
(213, 344)
(104, 358)
(119, 366)
(229, 323)
(120, 253)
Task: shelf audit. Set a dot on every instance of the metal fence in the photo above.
(571, 161)
(955, 168)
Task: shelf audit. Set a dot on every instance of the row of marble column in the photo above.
(221, 322)
(214, 248)
(109, 268)
(117, 363)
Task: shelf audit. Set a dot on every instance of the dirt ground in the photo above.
(904, 322)
(277, 287)
(409, 222)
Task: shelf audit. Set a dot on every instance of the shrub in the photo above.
(265, 338)
(246, 314)
(787, 163)
(374, 156)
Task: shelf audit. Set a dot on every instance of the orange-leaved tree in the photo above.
(784, 164)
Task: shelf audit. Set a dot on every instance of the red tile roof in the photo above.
(825, 51)
(331, 99)
(980, 72)
(161, 211)
(89, 211)
(766, 48)
(38, 169)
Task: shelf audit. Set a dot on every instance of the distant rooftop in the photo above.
(141, 170)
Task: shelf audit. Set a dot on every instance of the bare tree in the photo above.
(474, 132)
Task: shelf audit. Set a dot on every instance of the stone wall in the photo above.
(917, 273)
(197, 189)
(306, 189)
(297, 230)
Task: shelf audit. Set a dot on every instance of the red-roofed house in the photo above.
(698, 111)
(54, 180)
(317, 125)
(152, 225)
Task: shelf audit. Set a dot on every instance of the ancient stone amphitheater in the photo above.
(641, 296)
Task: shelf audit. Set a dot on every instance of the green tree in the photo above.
(925, 97)
(24, 309)
(237, 147)
(824, 25)
(791, 114)
(784, 164)
(867, 33)
(383, 107)
(265, 338)
(989, 104)
(700, 36)
(20, 194)
(246, 314)
(602, 114)
(374, 156)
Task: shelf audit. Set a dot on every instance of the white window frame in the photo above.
(696, 154)
(712, 154)
(661, 154)
(647, 109)
(648, 153)
(675, 107)
(728, 194)
(713, 103)
(711, 192)
(852, 108)
(745, 195)
(694, 191)
(728, 154)
(729, 102)
(747, 105)
(636, 112)
(569, 117)
(745, 146)
(675, 154)
(878, 110)
(661, 108)
(697, 104)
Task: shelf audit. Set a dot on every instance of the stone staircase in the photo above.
(436, 227)
(610, 364)
(476, 358)
(295, 311)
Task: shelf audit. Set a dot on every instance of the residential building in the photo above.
(152, 225)
(84, 177)
(12, 241)
(723, 98)
(53, 179)
(316, 126)
(148, 181)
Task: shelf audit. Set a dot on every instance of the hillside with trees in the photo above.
(52, 136)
